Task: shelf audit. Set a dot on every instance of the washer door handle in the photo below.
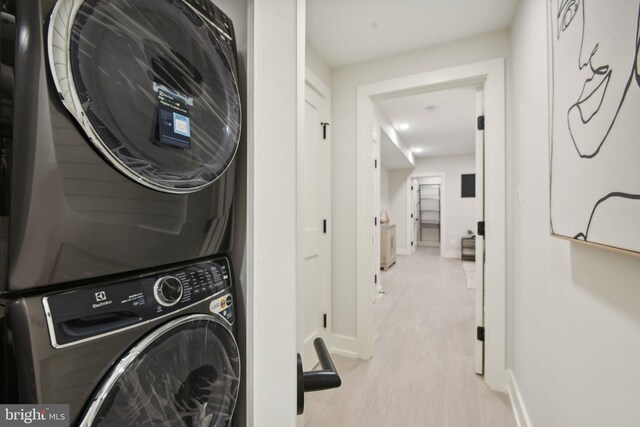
(327, 377)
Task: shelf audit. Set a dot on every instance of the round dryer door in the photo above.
(151, 85)
(185, 373)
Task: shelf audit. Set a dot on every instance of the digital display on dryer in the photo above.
(174, 123)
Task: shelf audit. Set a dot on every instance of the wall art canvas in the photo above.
(594, 93)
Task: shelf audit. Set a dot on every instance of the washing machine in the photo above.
(157, 349)
(119, 123)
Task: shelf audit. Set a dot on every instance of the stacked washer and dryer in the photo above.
(119, 123)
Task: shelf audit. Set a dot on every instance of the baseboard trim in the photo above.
(344, 346)
(517, 403)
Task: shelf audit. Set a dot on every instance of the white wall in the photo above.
(574, 314)
(275, 94)
(398, 202)
(318, 65)
(384, 191)
(345, 81)
(383, 125)
(457, 213)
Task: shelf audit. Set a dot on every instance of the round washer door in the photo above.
(150, 84)
(185, 373)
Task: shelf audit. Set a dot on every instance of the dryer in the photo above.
(157, 349)
(119, 124)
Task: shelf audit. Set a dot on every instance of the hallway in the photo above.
(422, 373)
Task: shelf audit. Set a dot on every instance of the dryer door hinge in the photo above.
(480, 333)
(481, 123)
(324, 320)
(375, 278)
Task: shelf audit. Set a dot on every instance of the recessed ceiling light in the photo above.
(403, 126)
(416, 150)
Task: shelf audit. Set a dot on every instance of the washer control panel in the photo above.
(89, 312)
(168, 291)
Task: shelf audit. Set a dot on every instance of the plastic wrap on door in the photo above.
(151, 86)
(188, 376)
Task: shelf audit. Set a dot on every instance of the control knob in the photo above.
(168, 291)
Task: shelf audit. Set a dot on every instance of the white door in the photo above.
(479, 278)
(415, 215)
(314, 222)
(375, 167)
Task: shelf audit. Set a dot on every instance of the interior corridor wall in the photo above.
(345, 81)
(574, 315)
(384, 192)
(398, 200)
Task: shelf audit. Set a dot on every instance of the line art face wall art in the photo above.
(595, 121)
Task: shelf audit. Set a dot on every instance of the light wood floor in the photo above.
(422, 370)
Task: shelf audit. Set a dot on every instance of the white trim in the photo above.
(343, 345)
(275, 78)
(492, 74)
(517, 403)
(317, 84)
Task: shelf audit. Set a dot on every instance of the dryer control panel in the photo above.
(91, 312)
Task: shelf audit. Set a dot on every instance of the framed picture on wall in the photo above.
(594, 95)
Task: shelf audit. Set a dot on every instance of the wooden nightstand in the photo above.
(468, 249)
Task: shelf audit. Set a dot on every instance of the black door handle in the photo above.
(327, 377)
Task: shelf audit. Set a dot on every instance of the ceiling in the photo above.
(391, 157)
(350, 31)
(441, 123)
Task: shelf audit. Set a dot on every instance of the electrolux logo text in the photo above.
(34, 415)
(101, 298)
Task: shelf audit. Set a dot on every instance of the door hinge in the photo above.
(375, 221)
(324, 129)
(481, 123)
(480, 333)
(411, 243)
(324, 226)
(375, 164)
(480, 228)
(411, 215)
(375, 278)
(324, 320)
(412, 187)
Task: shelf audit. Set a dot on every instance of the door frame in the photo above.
(491, 73)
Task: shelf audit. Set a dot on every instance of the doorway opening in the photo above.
(428, 218)
(491, 300)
